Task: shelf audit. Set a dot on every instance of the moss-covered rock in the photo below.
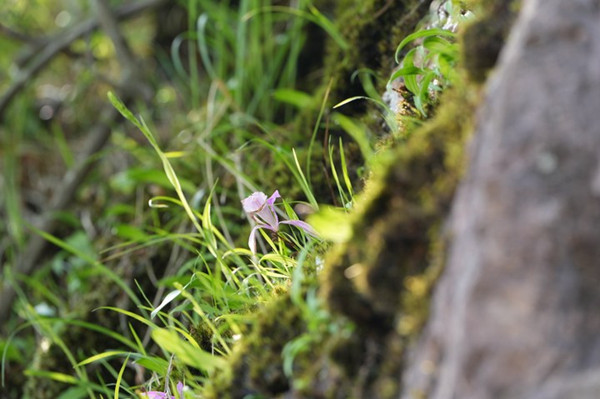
(380, 278)
(377, 283)
(256, 364)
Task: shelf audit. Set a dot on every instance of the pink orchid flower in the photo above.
(164, 395)
(262, 210)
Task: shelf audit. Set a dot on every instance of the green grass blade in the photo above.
(419, 34)
(357, 131)
(120, 378)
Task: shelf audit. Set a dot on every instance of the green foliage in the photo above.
(430, 66)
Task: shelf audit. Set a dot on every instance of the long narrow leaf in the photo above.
(120, 378)
(419, 34)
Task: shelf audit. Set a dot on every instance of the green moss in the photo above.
(257, 367)
(373, 29)
(408, 195)
(380, 279)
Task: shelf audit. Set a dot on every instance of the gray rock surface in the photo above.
(516, 313)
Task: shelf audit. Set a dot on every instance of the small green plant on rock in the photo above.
(430, 66)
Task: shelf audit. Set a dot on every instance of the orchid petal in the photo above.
(252, 239)
(302, 225)
(255, 202)
(274, 221)
(268, 214)
(273, 197)
(180, 387)
(156, 395)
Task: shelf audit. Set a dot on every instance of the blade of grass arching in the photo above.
(419, 34)
(357, 131)
(100, 356)
(404, 72)
(328, 27)
(355, 98)
(347, 180)
(365, 75)
(120, 378)
(201, 33)
(297, 98)
(304, 183)
(166, 300)
(53, 375)
(315, 130)
(171, 175)
(388, 115)
(140, 346)
(336, 178)
(135, 316)
(176, 58)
